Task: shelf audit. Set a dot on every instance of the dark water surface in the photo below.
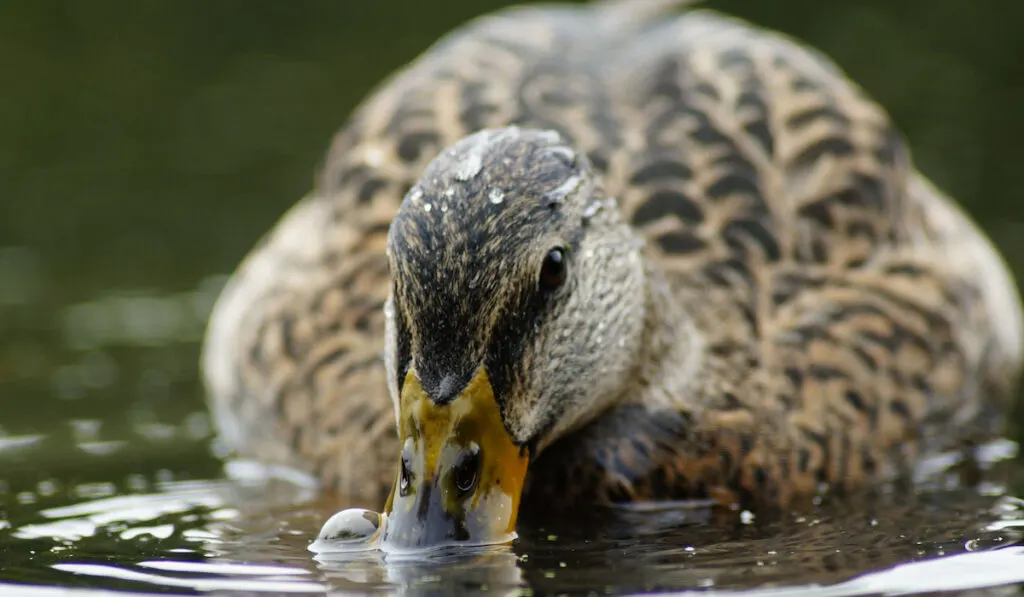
(145, 146)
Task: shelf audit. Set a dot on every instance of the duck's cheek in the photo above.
(460, 477)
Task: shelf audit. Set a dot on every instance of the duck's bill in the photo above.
(460, 475)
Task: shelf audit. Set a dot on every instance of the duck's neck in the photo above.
(672, 353)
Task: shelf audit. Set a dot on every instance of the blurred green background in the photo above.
(145, 145)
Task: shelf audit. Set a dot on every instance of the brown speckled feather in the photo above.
(849, 316)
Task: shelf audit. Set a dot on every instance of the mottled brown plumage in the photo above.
(763, 293)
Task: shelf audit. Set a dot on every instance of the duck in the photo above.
(629, 252)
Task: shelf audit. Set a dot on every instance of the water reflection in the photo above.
(249, 535)
(131, 499)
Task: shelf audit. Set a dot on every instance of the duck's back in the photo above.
(776, 196)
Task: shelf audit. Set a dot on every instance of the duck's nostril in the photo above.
(467, 470)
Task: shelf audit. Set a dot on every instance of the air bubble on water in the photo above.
(352, 529)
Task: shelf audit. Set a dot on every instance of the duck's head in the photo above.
(516, 315)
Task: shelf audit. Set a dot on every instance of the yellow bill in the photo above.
(460, 475)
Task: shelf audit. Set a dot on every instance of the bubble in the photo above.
(352, 529)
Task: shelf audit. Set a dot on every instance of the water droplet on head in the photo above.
(470, 166)
(427, 207)
(496, 196)
(415, 194)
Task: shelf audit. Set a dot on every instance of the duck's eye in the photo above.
(553, 270)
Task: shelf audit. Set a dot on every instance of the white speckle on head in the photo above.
(496, 196)
(415, 194)
(471, 165)
(565, 153)
(597, 205)
(559, 193)
(550, 136)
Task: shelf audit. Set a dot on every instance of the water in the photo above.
(145, 147)
(249, 534)
(111, 481)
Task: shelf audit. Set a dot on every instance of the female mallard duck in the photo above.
(612, 254)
